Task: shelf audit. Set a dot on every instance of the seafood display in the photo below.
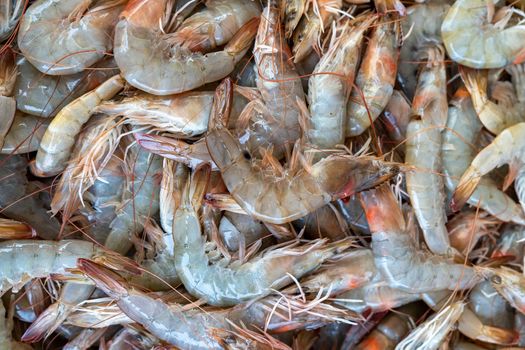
(262, 174)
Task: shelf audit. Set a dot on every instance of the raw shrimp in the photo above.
(291, 12)
(45, 95)
(58, 141)
(86, 339)
(511, 285)
(150, 63)
(466, 228)
(12, 229)
(297, 192)
(308, 32)
(376, 78)
(496, 117)
(215, 25)
(274, 120)
(238, 231)
(25, 134)
(231, 285)
(185, 115)
(398, 259)
(457, 151)
(397, 114)
(422, 28)
(330, 86)
(61, 37)
(196, 329)
(490, 307)
(127, 337)
(473, 40)
(325, 222)
(18, 204)
(511, 242)
(425, 184)
(35, 259)
(10, 12)
(507, 148)
(393, 328)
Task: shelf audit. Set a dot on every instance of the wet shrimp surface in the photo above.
(262, 174)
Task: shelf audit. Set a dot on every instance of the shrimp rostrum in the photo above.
(292, 194)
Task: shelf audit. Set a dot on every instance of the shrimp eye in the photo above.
(496, 279)
(246, 155)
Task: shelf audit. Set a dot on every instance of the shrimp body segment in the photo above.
(58, 38)
(471, 40)
(150, 63)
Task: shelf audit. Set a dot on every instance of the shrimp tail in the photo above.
(382, 210)
(497, 335)
(198, 184)
(467, 184)
(11, 229)
(520, 57)
(385, 6)
(108, 281)
(116, 261)
(222, 103)
(476, 83)
(46, 323)
(243, 38)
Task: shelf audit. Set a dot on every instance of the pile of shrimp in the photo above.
(262, 174)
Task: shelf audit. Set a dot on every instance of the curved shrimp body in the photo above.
(424, 24)
(298, 193)
(17, 204)
(278, 82)
(25, 134)
(330, 86)
(184, 115)
(10, 12)
(457, 151)
(45, 95)
(396, 256)
(34, 259)
(376, 78)
(425, 185)
(507, 148)
(57, 143)
(223, 286)
(215, 25)
(58, 38)
(472, 40)
(148, 62)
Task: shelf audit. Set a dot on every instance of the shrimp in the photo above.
(491, 308)
(35, 259)
(194, 328)
(397, 116)
(330, 86)
(45, 95)
(457, 151)
(473, 40)
(61, 37)
(10, 12)
(495, 117)
(215, 25)
(291, 12)
(510, 285)
(275, 116)
(256, 278)
(376, 78)
(298, 192)
(396, 256)
(148, 61)
(25, 134)
(87, 338)
(507, 148)
(185, 115)
(425, 185)
(8, 73)
(237, 231)
(57, 143)
(468, 227)
(422, 28)
(306, 36)
(511, 242)
(18, 204)
(127, 337)
(325, 222)
(392, 329)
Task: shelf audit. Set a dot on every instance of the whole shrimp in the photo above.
(298, 192)
(25, 134)
(253, 279)
(507, 148)
(422, 28)
(18, 204)
(472, 39)
(376, 78)
(330, 86)
(150, 63)
(61, 37)
(397, 257)
(496, 117)
(57, 143)
(184, 115)
(215, 25)
(457, 151)
(274, 118)
(45, 95)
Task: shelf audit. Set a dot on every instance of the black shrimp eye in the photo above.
(246, 155)
(496, 279)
